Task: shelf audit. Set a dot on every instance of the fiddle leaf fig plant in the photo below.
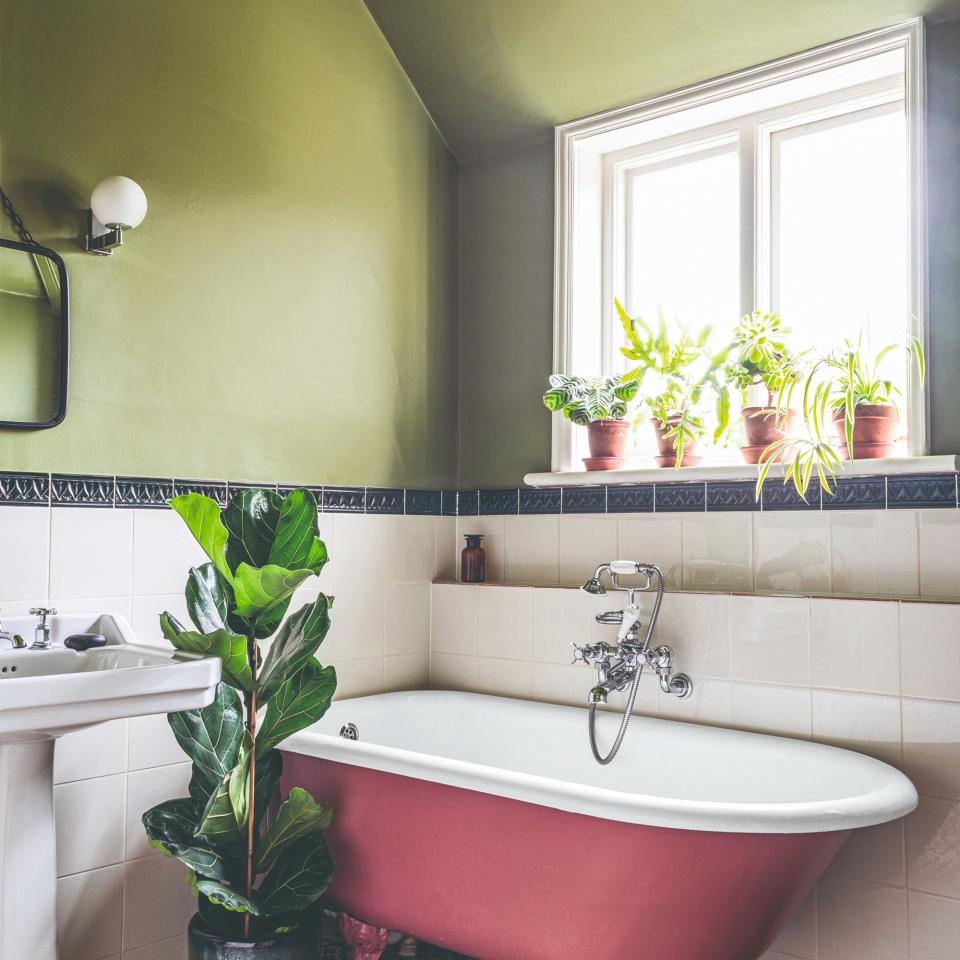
(253, 877)
(584, 400)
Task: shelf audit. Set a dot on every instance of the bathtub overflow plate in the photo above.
(349, 731)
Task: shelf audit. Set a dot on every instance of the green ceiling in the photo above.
(497, 74)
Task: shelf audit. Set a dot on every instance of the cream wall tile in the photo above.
(855, 645)
(157, 903)
(407, 618)
(770, 639)
(531, 549)
(412, 549)
(585, 541)
(362, 551)
(771, 709)
(717, 551)
(505, 678)
(934, 927)
(91, 550)
(492, 531)
(90, 913)
(89, 818)
(930, 641)
(164, 550)
(792, 551)
(863, 722)
(505, 622)
(874, 552)
(117, 606)
(359, 678)
(933, 847)
(566, 684)
(152, 743)
(95, 752)
(696, 627)
(711, 701)
(453, 624)
(561, 618)
(453, 671)
(145, 789)
(799, 937)
(356, 624)
(446, 555)
(146, 617)
(408, 671)
(873, 853)
(653, 538)
(857, 920)
(25, 554)
(931, 746)
(939, 549)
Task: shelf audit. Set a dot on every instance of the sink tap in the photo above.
(11, 641)
(41, 636)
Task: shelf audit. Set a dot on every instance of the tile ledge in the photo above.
(893, 466)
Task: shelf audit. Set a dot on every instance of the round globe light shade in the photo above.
(119, 201)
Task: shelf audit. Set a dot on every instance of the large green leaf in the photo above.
(227, 897)
(296, 643)
(171, 828)
(230, 647)
(209, 598)
(251, 518)
(296, 544)
(269, 771)
(211, 738)
(301, 700)
(298, 878)
(218, 819)
(239, 784)
(298, 816)
(202, 517)
(258, 589)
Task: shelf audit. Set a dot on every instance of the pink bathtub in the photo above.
(483, 825)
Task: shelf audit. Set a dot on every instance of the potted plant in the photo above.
(600, 404)
(759, 369)
(683, 369)
(845, 390)
(257, 877)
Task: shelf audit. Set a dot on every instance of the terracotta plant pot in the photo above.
(762, 430)
(608, 441)
(874, 431)
(668, 455)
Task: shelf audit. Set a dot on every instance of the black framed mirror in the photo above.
(34, 336)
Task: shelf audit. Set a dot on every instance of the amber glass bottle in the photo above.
(473, 560)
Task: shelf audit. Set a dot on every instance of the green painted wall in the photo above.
(287, 310)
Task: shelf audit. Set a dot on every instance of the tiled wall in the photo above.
(117, 897)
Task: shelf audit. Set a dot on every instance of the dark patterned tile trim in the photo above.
(630, 498)
(928, 490)
(67, 490)
(540, 501)
(236, 487)
(856, 493)
(424, 503)
(584, 500)
(214, 489)
(778, 495)
(143, 492)
(343, 499)
(284, 488)
(448, 503)
(25, 489)
(680, 497)
(499, 502)
(384, 500)
(468, 503)
(733, 495)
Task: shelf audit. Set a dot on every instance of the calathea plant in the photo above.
(254, 876)
(586, 400)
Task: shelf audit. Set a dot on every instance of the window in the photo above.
(795, 188)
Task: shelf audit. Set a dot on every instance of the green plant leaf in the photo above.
(211, 738)
(202, 517)
(218, 819)
(298, 816)
(298, 878)
(302, 699)
(227, 897)
(209, 598)
(251, 519)
(259, 589)
(238, 787)
(269, 771)
(295, 643)
(171, 828)
(230, 647)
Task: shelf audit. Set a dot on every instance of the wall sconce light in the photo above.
(116, 204)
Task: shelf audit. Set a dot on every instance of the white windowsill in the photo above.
(733, 471)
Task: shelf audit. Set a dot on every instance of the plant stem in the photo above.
(252, 799)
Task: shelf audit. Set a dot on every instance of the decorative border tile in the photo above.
(630, 498)
(384, 500)
(583, 500)
(284, 488)
(142, 492)
(25, 489)
(856, 493)
(448, 503)
(921, 491)
(732, 495)
(680, 497)
(214, 489)
(235, 487)
(534, 501)
(778, 495)
(67, 490)
(499, 502)
(468, 503)
(424, 503)
(343, 500)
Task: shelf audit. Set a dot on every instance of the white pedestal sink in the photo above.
(43, 695)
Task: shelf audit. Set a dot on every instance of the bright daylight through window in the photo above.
(792, 190)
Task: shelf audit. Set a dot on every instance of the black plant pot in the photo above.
(204, 944)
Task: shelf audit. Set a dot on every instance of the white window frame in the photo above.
(589, 223)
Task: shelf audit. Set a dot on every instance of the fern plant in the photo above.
(584, 400)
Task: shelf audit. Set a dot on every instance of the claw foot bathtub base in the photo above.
(366, 941)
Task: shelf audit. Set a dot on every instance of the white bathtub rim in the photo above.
(895, 798)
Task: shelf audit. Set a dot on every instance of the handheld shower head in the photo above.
(594, 588)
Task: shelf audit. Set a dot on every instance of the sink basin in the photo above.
(43, 695)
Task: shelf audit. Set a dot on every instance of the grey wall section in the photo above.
(943, 164)
(506, 316)
(507, 296)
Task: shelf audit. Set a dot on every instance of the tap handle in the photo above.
(42, 613)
